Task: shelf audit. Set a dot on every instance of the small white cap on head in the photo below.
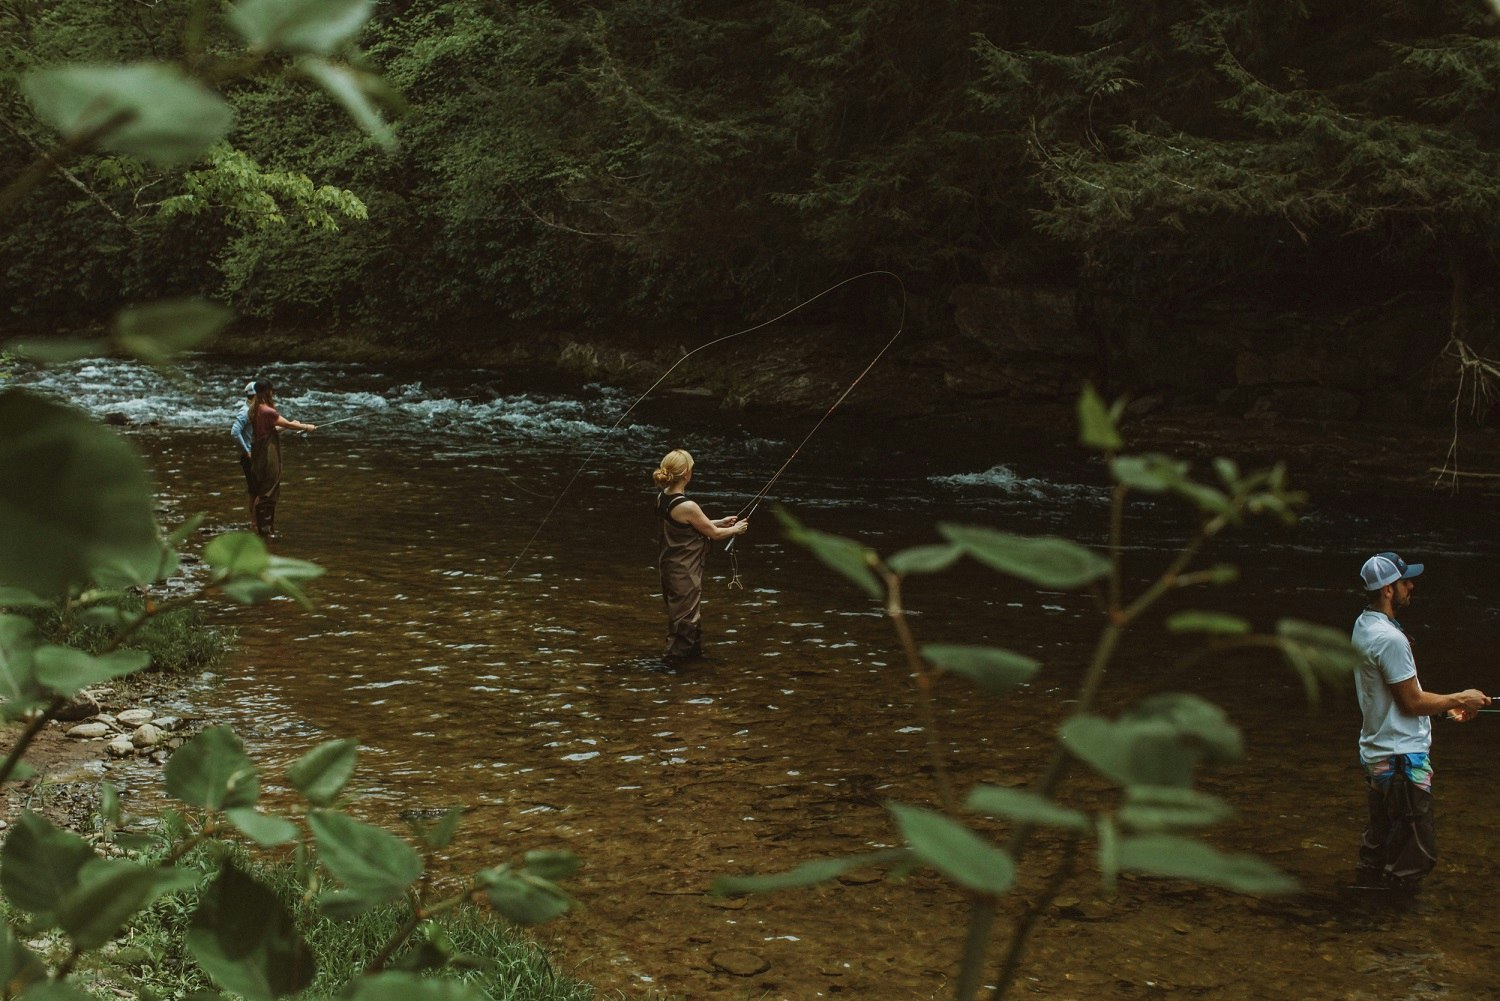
(1386, 568)
(250, 388)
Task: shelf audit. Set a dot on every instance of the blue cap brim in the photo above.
(1413, 570)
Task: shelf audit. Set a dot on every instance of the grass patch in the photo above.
(151, 957)
(178, 640)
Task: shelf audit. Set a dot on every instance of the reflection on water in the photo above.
(533, 697)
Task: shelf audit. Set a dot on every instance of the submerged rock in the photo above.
(739, 963)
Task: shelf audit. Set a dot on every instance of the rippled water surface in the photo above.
(486, 658)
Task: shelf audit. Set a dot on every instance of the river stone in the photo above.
(146, 735)
(81, 706)
(135, 717)
(166, 723)
(88, 731)
(121, 747)
(739, 963)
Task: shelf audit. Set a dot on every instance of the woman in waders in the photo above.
(265, 456)
(685, 533)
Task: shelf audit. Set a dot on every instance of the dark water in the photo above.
(484, 663)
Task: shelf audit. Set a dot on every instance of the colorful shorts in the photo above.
(1415, 768)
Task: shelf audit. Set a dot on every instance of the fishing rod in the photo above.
(329, 424)
(765, 491)
(702, 347)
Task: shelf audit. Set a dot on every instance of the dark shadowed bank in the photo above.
(1356, 399)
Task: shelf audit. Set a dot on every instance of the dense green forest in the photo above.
(625, 161)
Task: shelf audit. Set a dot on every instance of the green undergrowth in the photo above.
(150, 956)
(178, 640)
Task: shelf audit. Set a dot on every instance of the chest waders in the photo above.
(683, 552)
(265, 479)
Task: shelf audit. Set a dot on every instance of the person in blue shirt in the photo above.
(240, 430)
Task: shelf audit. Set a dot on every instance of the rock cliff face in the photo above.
(1038, 342)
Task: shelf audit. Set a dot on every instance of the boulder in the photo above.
(81, 706)
(88, 731)
(146, 735)
(121, 747)
(135, 717)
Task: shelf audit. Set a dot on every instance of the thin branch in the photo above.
(42, 165)
(71, 177)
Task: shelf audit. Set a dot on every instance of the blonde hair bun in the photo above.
(675, 466)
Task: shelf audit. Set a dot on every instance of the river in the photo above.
(489, 654)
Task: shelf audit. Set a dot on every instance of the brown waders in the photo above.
(265, 480)
(683, 552)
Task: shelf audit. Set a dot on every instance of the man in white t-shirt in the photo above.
(1398, 847)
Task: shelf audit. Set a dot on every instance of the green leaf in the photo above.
(1096, 427)
(299, 25)
(954, 850)
(990, 668)
(109, 804)
(440, 834)
(1025, 807)
(266, 830)
(181, 533)
(19, 688)
(237, 553)
(1151, 473)
(375, 865)
(1223, 573)
(66, 670)
(1213, 623)
(73, 497)
(109, 891)
(1328, 650)
(550, 865)
(1158, 744)
(399, 986)
(156, 111)
(806, 874)
(434, 952)
(16, 597)
(19, 967)
(212, 771)
(1317, 653)
(158, 332)
(1229, 472)
(39, 864)
(353, 89)
(321, 774)
(1045, 561)
(1163, 808)
(247, 940)
(1208, 499)
(1196, 720)
(522, 899)
(1186, 858)
(848, 557)
(924, 559)
(289, 569)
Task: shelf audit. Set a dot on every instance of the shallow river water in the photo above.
(487, 658)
